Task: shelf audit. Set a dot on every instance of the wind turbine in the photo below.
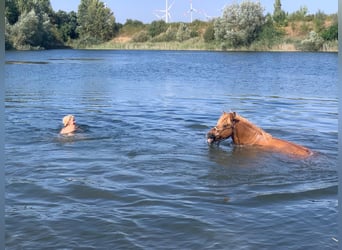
(191, 10)
(207, 16)
(167, 14)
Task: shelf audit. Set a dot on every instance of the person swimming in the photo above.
(69, 123)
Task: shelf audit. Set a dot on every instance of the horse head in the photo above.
(223, 129)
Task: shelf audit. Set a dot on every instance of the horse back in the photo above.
(289, 147)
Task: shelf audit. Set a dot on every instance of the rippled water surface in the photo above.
(140, 174)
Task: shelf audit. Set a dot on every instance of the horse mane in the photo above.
(254, 127)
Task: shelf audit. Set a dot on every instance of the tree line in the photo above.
(33, 24)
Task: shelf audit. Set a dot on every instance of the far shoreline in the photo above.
(135, 47)
(173, 46)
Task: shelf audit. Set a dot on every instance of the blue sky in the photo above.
(146, 11)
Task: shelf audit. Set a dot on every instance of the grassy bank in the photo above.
(198, 44)
(198, 35)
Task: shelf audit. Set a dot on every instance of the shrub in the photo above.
(312, 43)
(157, 27)
(183, 33)
(240, 24)
(331, 33)
(141, 37)
(209, 34)
(270, 34)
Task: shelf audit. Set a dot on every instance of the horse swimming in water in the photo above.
(243, 132)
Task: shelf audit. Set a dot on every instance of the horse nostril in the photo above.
(211, 136)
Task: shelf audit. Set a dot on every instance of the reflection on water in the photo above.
(25, 62)
(140, 174)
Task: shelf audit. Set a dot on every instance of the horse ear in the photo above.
(233, 117)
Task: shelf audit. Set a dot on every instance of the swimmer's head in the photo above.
(67, 119)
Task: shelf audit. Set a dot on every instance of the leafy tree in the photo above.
(43, 6)
(96, 21)
(300, 14)
(11, 12)
(24, 5)
(8, 42)
(157, 27)
(131, 27)
(39, 6)
(29, 24)
(66, 24)
(15, 8)
(270, 34)
(209, 34)
(319, 20)
(240, 24)
(331, 33)
(183, 33)
(134, 23)
(26, 33)
(278, 14)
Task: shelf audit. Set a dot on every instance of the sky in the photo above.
(147, 11)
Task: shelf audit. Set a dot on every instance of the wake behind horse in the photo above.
(243, 132)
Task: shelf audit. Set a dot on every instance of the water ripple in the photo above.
(140, 174)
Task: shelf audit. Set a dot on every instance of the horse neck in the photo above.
(246, 132)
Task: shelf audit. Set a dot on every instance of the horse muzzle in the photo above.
(211, 138)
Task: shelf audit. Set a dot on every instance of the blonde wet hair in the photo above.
(66, 119)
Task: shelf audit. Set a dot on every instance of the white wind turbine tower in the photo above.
(167, 14)
(191, 10)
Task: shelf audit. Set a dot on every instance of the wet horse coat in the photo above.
(243, 132)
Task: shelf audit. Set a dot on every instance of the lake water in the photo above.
(140, 174)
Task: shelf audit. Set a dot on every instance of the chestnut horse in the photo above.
(243, 132)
